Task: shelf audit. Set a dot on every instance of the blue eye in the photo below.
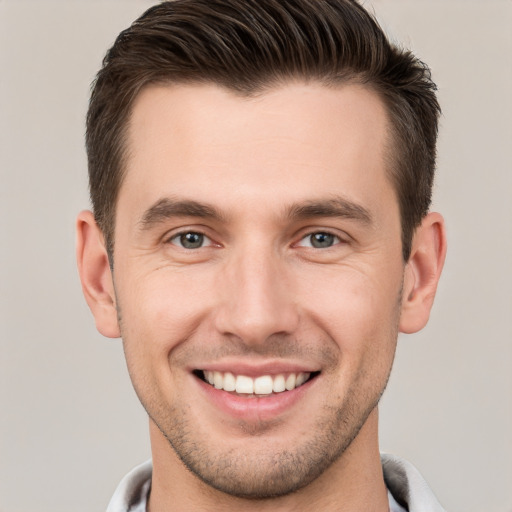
(319, 240)
(190, 240)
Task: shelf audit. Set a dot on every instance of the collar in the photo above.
(408, 491)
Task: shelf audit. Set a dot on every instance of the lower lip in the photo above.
(255, 409)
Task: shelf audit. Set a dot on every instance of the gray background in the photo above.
(70, 424)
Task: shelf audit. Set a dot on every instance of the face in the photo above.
(258, 276)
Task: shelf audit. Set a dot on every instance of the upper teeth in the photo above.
(263, 385)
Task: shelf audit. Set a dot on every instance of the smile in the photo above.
(263, 385)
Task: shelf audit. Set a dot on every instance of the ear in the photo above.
(96, 275)
(422, 273)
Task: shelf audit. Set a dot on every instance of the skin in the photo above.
(257, 178)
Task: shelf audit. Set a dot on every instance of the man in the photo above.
(261, 174)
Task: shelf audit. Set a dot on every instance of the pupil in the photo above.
(191, 240)
(321, 240)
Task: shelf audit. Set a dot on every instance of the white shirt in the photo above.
(407, 490)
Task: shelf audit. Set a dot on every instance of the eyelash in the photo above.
(334, 238)
(180, 236)
(178, 239)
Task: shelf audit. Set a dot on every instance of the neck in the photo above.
(354, 482)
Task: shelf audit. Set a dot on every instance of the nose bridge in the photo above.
(257, 298)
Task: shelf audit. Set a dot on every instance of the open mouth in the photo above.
(264, 385)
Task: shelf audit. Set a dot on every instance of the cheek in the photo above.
(158, 314)
(360, 312)
(159, 310)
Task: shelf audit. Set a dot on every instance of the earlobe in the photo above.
(422, 273)
(96, 275)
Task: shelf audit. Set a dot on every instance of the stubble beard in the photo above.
(268, 473)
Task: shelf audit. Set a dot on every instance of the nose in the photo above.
(257, 298)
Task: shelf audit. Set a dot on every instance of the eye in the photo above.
(190, 240)
(319, 240)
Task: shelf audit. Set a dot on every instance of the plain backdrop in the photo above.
(70, 424)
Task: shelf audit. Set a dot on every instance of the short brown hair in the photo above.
(249, 46)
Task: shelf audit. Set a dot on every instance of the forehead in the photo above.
(290, 143)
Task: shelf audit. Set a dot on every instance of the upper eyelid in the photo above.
(182, 230)
(209, 240)
(339, 238)
(186, 232)
(305, 232)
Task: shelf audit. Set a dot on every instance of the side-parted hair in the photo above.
(248, 47)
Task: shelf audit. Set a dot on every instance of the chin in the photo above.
(258, 467)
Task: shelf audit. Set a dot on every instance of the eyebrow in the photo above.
(334, 207)
(340, 207)
(167, 208)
